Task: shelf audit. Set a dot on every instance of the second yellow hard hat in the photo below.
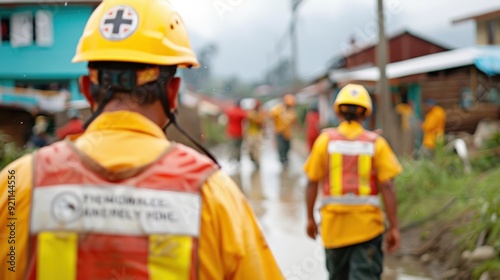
(353, 94)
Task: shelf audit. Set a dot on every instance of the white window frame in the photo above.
(21, 36)
(44, 24)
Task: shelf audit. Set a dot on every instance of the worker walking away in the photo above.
(433, 127)
(255, 128)
(284, 117)
(234, 130)
(312, 125)
(353, 165)
(122, 201)
(73, 128)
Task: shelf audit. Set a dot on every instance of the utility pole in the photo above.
(385, 110)
(293, 38)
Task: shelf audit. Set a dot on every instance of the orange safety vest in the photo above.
(90, 223)
(351, 177)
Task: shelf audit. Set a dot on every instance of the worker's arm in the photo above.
(232, 245)
(315, 168)
(388, 167)
(311, 195)
(15, 201)
(275, 111)
(391, 209)
(260, 118)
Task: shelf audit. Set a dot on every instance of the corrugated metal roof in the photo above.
(423, 64)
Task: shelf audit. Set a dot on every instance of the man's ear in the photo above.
(84, 85)
(173, 92)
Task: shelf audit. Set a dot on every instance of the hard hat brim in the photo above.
(146, 58)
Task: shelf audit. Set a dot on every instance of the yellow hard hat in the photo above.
(145, 31)
(289, 100)
(353, 94)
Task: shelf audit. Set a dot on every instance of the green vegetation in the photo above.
(489, 155)
(8, 150)
(427, 186)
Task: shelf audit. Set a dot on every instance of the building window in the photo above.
(490, 25)
(25, 29)
(22, 29)
(44, 32)
(5, 25)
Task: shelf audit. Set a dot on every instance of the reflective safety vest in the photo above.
(88, 222)
(351, 177)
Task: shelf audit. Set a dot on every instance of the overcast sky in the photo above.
(247, 32)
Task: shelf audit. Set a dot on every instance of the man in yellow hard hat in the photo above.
(122, 201)
(353, 165)
(284, 117)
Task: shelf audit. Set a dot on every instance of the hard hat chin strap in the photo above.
(166, 108)
(172, 120)
(100, 108)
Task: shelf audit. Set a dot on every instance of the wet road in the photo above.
(277, 197)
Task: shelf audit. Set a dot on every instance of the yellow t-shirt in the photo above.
(231, 245)
(343, 225)
(406, 112)
(283, 120)
(433, 126)
(256, 121)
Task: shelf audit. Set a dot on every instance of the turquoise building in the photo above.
(38, 40)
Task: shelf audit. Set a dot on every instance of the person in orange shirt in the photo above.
(354, 166)
(121, 201)
(284, 117)
(433, 127)
(312, 125)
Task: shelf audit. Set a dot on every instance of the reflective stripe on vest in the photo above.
(351, 172)
(352, 200)
(145, 227)
(364, 151)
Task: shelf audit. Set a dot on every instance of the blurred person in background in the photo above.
(312, 125)
(121, 198)
(255, 131)
(234, 130)
(39, 136)
(73, 128)
(354, 166)
(433, 127)
(407, 120)
(284, 117)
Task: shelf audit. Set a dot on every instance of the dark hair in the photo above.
(352, 112)
(121, 78)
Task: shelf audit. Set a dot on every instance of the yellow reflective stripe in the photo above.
(169, 257)
(364, 174)
(336, 174)
(57, 255)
